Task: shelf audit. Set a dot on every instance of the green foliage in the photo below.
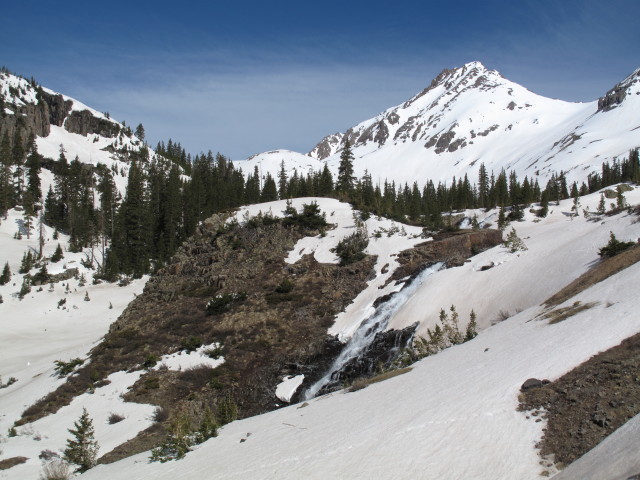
(28, 259)
(65, 368)
(183, 435)
(190, 344)
(346, 179)
(42, 276)
(602, 207)
(214, 352)
(221, 303)
(25, 288)
(208, 427)
(82, 449)
(150, 361)
(614, 247)
(227, 410)
(285, 286)
(502, 219)
(514, 243)
(6, 274)
(445, 334)
(472, 327)
(310, 218)
(351, 248)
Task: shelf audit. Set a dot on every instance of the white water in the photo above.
(367, 330)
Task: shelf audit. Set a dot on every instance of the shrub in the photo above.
(285, 286)
(221, 303)
(115, 418)
(160, 415)
(150, 361)
(614, 247)
(514, 243)
(65, 368)
(177, 443)
(227, 410)
(310, 217)
(10, 382)
(190, 344)
(351, 248)
(55, 470)
(213, 352)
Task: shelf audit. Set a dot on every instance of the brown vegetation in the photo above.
(589, 403)
(601, 271)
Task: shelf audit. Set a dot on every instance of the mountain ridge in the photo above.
(472, 115)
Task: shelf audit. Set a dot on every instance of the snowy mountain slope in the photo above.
(60, 122)
(473, 115)
(37, 330)
(271, 162)
(453, 416)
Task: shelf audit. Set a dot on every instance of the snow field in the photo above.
(453, 416)
(35, 332)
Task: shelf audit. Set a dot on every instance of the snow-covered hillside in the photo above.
(472, 115)
(453, 416)
(59, 122)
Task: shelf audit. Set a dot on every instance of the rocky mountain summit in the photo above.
(472, 115)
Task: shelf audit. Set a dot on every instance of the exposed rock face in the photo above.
(35, 119)
(617, 94)
(379, 355)
(84, 123)
(451, 248)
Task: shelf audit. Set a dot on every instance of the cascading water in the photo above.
(368, 329)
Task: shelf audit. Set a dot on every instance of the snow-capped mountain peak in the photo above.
(471, 115)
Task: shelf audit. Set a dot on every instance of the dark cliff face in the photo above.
(31, 120)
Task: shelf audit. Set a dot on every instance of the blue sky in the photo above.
(245, 77)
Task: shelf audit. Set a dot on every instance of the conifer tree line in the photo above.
(167, 195)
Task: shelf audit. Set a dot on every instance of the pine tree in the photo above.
(57, 255)
(33, 173)
(27, 262)
(621, 202)
(82, 449)
(6, 194)
(514, 243)
(472, 326)
(345, 170)
(140, 132)
(502, 219)
(602, 208)
(6, 274)
(282, 181)
(269, 191)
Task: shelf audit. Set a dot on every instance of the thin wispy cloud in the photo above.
(250, 77)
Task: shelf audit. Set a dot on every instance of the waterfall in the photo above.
(368, 329)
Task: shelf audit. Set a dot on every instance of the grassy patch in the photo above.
(600, 272)
(361, 383)
(8, 463)
(560, 314)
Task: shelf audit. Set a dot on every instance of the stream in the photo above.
(366, 332)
